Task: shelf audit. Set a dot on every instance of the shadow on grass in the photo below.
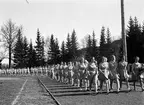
(82, 92)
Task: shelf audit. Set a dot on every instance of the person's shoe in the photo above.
(107, 93)
(96, 93)
(86, 89)
(111, 90)
(117, 91)
(128, 89)
(142, 89)
(134, 89)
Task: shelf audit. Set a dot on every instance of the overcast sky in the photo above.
(59, 17)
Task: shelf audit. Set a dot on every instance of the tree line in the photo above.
(48, 51)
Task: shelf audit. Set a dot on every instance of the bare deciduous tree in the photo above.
(9, 35)
(84, 41)
(47, 47)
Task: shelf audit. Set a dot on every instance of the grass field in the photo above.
(9, 88)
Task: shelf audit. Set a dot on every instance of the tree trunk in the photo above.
(9, 56)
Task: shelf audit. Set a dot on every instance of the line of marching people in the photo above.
(24, 71)
(89, 74)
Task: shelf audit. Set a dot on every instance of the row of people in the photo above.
(25, 71)
(90, 73)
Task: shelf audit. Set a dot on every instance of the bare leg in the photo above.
(101, 84)
(85, 82)
(107, 85)
(96, 83)
(118, 84)
(111, 83)
(134, 85)
(141, 83)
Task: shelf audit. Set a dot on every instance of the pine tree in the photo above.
(63, 52)
(52, 49)
(95, 50)
(68, 48)
(43, 52)
(57, 51)
(108, 44)
(74, 45)
(25, 52)
(30, 55)
(133, 39)
(142, 42)
(39, 49)
(108, 36)
(18, 51)
(103, 48)
(89, 48)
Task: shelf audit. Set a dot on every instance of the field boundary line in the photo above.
(48, 92)
(17, 97)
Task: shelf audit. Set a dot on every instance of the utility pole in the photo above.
(123, 30)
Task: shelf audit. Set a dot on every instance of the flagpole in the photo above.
(123, 30)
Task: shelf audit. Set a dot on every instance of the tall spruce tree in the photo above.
(52, 49)
(103, 48)
(133, 39)
(89, 48)
(18, 51)
(25, 52)
(39, 49)
(57, 51)
(68, 48)
(108, 44)
(74, 45)
(95, 50)
(108, 36)
(142, 42)
(130, 38)
(43, 52)
(31, 56)
(63, 52)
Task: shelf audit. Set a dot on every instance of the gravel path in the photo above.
(68, 95)
(33, 94)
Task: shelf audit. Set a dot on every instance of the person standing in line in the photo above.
(123, 73)
(113, 75)
(57, 71)
(93, 74)
(70, 73)
(136, 67)
(61, 72)
(83, 73)
(76, 74)
(65, 73)
(52, 72)
(142, 77)
(103, 74)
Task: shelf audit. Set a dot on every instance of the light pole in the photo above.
(123, 30)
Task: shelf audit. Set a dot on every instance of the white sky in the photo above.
(60, 17)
